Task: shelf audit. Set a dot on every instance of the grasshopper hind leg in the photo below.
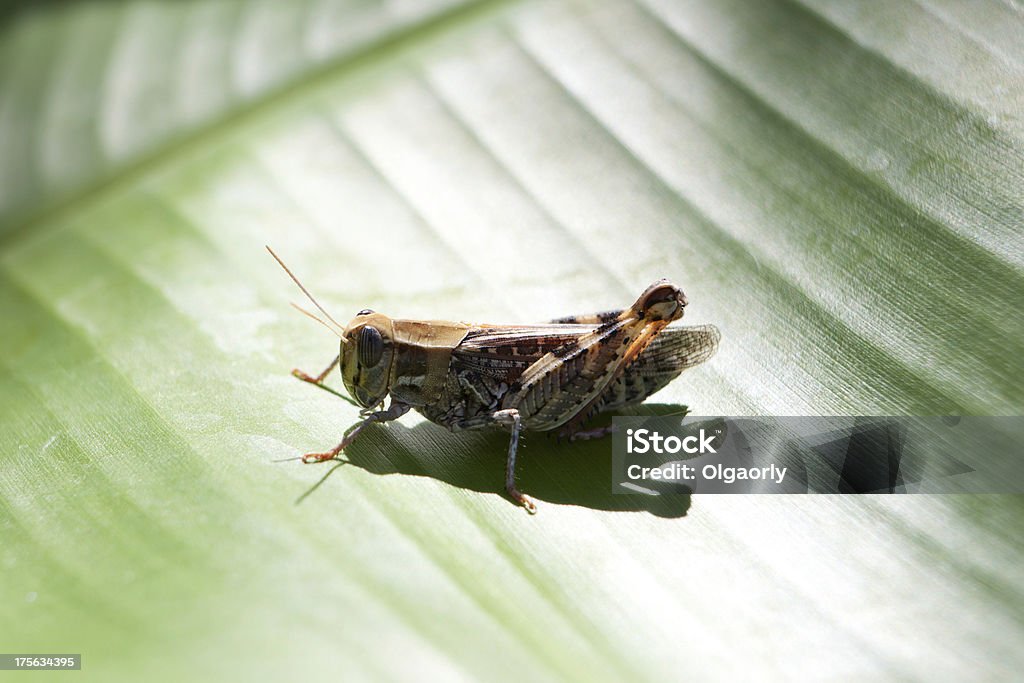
(588, 318)
(594, 433)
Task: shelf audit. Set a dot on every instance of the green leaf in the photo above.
(838, 187)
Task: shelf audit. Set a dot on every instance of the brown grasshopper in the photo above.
(552, 376)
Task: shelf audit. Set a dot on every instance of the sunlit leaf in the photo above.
(839, 187)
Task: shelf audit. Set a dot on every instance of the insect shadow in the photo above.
(566, 473)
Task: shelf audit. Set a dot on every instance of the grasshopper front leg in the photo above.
(319, 379)
(394, 411)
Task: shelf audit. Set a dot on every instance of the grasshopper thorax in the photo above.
(367, 354)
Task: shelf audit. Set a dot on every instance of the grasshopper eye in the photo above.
(371, 346)
(365, 311)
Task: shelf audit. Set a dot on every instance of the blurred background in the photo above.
(838, 186)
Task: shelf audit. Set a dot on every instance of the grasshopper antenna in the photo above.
(311, 298)
(306, 313)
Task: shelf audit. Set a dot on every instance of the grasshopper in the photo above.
(542, 377)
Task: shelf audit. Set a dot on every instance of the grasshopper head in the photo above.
(367, 352)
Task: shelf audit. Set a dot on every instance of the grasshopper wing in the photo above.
(488, 363)
(503, 352)
(674, 350)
